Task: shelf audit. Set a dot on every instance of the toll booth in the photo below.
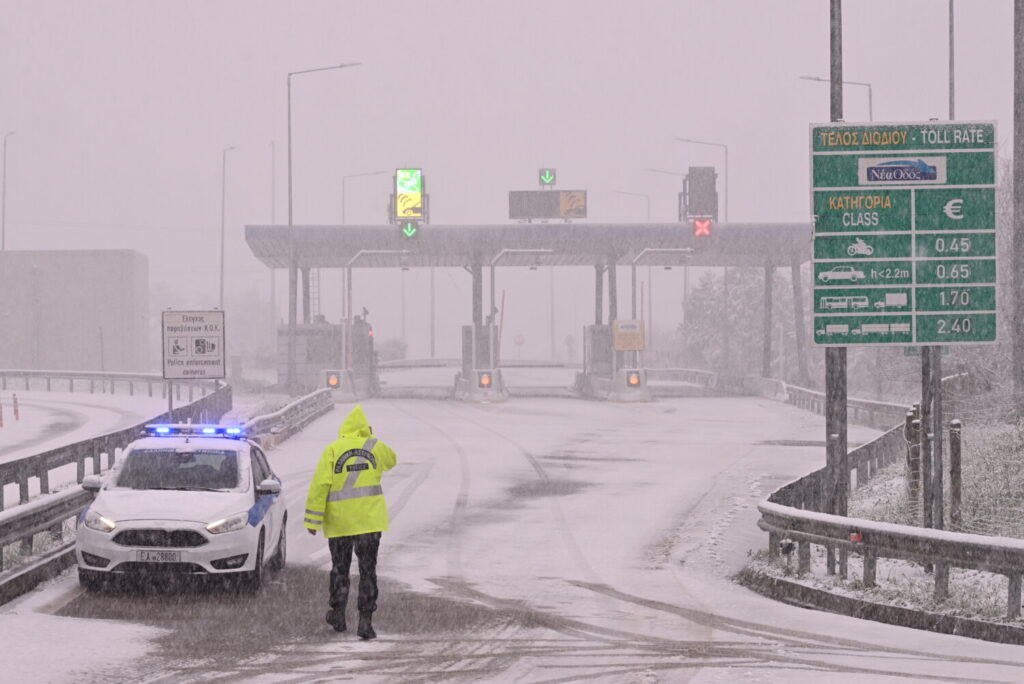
(317, 346)
(480, 378)
(612, 363)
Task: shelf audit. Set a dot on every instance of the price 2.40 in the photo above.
(954, 326)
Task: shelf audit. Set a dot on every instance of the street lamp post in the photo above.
(223, 198)
(291, 380)
(3, 197)
(871, 113)
(344, 180)
(647, 199)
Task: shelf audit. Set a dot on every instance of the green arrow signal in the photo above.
(409, 229)
(547, 177)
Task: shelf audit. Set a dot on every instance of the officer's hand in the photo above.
(312, 532)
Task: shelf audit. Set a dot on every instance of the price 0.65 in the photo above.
(953, 271)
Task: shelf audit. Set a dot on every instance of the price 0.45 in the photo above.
(958, 245)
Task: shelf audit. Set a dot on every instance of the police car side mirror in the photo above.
(268, 486)
(92, 483)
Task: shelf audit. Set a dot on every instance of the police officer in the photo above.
(347, 502)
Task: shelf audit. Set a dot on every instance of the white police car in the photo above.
(186, 500)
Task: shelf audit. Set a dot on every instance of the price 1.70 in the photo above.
(966, 298)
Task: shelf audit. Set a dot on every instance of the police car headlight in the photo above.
(98, 522)
(231, 523)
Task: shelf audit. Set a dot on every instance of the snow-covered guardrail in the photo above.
(701, 378)
(103, 382)
(275, 427)
(793, 512)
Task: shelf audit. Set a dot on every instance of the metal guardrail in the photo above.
(702, 378)
(21, 470)
(273, 428)
(106, 382)
(793, 512)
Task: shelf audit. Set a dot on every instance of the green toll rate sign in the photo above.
(904, 233)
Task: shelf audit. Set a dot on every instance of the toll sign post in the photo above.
(904, 233)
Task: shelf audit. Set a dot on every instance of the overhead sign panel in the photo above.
(409, 194)
(193, 345)
(543, 204)
(904, 233)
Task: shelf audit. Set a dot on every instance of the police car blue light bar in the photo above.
(185, 429)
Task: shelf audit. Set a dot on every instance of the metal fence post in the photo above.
(941, 581)
(1013, 596)
(870, 564)
(914, 463)
(803, 551)
(773, 545)
(955, 481)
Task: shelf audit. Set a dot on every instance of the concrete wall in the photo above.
(54, 304)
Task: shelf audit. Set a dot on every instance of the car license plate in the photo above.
(160, 556)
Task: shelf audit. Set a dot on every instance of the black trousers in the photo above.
(365, 546)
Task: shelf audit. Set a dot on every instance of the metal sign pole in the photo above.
(835, 357)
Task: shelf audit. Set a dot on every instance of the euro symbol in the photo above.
(954, 209)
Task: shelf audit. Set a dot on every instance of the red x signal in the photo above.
(701, 227)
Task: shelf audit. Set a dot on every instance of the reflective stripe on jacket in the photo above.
(345, 496)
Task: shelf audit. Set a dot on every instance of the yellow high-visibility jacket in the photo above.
(345, 496)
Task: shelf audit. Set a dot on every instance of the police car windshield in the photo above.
(200, 469)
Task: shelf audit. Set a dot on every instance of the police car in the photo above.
(184, 500)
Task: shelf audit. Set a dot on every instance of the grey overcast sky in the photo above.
(122, 109)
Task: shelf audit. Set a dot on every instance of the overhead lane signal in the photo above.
(702, 227)
(410, 229)
(410, 199)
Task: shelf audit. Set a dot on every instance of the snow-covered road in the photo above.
(535, 541)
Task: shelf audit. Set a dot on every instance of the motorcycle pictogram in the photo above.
(860, 247)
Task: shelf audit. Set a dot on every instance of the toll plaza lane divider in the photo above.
(52, 511)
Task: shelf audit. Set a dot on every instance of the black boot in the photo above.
(336, 619)
(365, 629)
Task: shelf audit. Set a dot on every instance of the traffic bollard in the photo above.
(17, 413)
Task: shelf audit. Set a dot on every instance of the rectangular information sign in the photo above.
(193, 345)
(904, 233)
